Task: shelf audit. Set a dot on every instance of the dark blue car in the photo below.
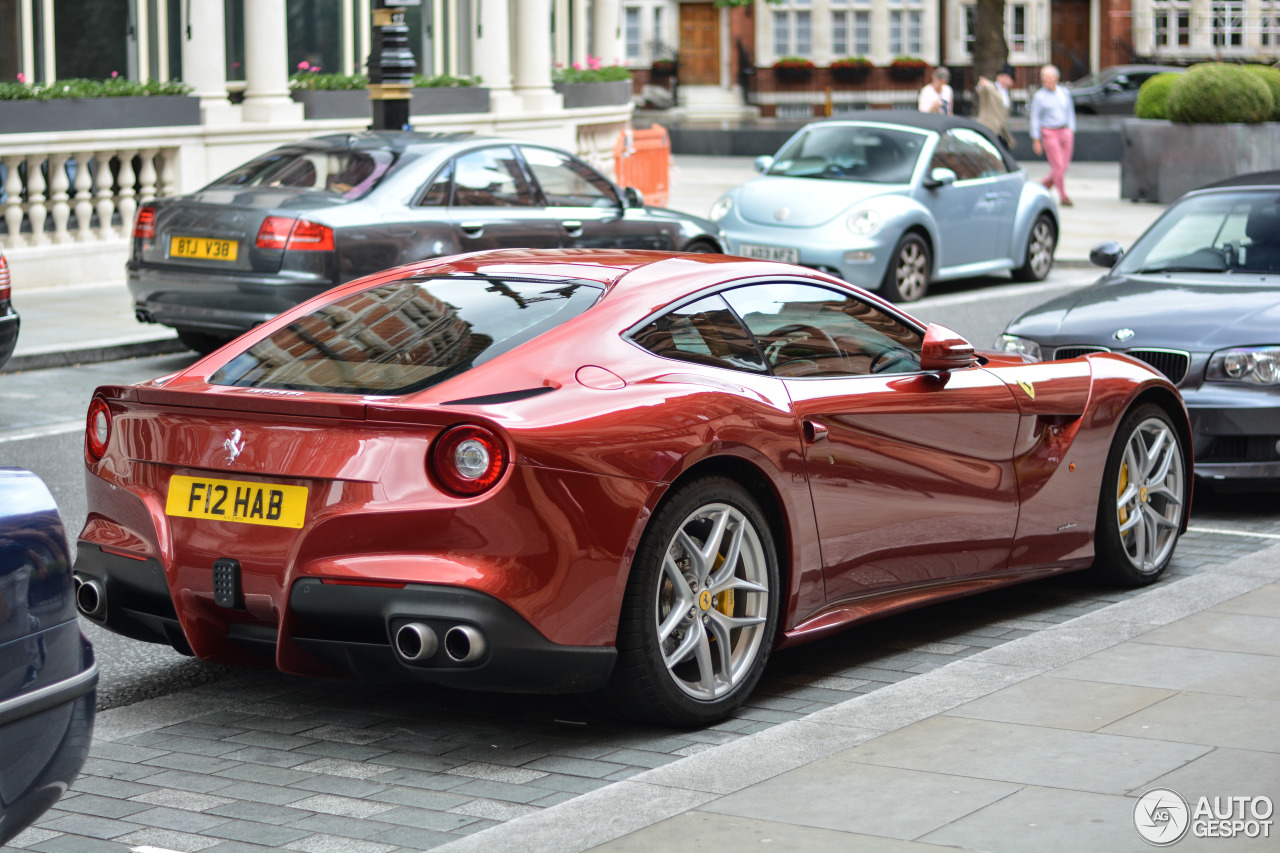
(47, 672)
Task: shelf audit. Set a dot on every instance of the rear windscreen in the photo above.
(349, 174)
(405, 336)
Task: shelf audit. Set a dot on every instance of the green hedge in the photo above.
(116, 87)
(313, 81)
(1153, 97)
(1220, 93)
(1270, 76)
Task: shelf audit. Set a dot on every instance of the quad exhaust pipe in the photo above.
(91, 598)
(464, 644)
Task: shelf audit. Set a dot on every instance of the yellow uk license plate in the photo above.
(203, 248)
(236, 500)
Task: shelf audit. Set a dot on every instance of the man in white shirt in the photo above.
(1053, 129)
(936, 96)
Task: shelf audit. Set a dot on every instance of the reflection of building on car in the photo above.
(1197, 298)
(633, 473)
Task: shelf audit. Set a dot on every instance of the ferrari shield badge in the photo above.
(1028, 387)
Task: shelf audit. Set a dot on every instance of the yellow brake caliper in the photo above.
(724, 601)
(1124, 483)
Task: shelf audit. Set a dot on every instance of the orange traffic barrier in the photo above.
(642, 159)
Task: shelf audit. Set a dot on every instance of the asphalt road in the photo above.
(41, 428)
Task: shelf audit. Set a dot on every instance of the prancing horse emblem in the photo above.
(234, 446)
(1028, 387)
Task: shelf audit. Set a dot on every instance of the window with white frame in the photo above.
(658, 40)
(1227, 23)
(793, 28)
(1171, 23)
(1015, 27)
(631, 29)
(906, 27)
(850, 28)
(1269, 25)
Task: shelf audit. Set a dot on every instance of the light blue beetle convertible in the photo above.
(892, 202)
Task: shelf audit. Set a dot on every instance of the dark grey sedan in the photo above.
(1198, 298)
(1114, 90)
(314, 214)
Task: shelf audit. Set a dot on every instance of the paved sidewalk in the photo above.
(94, 322)
(1043, 744)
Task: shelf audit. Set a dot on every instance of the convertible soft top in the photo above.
(935, 122)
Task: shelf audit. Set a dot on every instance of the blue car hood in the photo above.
(808, 201)
(1193, 315)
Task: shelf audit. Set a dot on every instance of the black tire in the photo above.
(1146, 477)
(1037, 259)
(653, 680)
(910, 266)
(703, 247)
(202, 342)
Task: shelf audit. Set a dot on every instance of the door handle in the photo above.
(991, 197)
(472, 229)
(572, 227)
(813, 431)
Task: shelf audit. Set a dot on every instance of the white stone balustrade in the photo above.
(56, 197)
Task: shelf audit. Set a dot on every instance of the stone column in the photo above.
(532, 23)
(204, 59)
(266, 63)
(606, 31)
(491, 55)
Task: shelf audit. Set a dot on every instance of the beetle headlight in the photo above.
(1024, 347)
(863, 222)
(721, 209)
(1251, 365)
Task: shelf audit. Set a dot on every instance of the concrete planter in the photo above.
(607, 94)
(449, 100)
(354, 103)
(1162, 161)
(98, 113)
(333, 103)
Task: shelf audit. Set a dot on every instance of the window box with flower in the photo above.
(907, 68)
(78, 104)
(793, 69)
(592, 84)
(851, 69)
(332, 96)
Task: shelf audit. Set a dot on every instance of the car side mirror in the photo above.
(944, 350)
(1106, 254)
(632, 197)
(763, 163)
(940, 177)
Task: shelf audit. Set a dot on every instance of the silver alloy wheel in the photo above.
(1149, 495)
(911, 271)
(713, 601)
(1040, 248)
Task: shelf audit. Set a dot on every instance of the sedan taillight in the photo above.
(299, 235)
(98, 429)
(144, 223)
(467, 460)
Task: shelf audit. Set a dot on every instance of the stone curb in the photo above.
(665, 792)
(92, 355)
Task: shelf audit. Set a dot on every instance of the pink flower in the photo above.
(22, 78)
(303, 65)
(577, 66)
(593, 62)
(115, 74)
(315, 69)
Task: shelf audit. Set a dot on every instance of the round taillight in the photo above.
(98, 430)
(468, 460)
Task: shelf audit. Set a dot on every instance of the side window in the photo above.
(808, 330)
(567, 182)
(437, 194)
(704, 332)
(492, 177)
(968, 154)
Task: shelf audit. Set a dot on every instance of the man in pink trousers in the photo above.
(1053, 129)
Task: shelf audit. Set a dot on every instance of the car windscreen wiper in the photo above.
(1180, 268)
